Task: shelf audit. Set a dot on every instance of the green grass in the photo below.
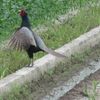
(93, 94)
(41, 12)
(54, 38)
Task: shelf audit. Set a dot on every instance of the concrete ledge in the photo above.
(48, 62)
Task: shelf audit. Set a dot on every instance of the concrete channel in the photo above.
(58, 92)
(48, 62)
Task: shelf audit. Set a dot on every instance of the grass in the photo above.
(62, 72)
(94, 91)
(41, 12)
(84, 21)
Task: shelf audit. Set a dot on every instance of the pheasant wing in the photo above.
(22, 39)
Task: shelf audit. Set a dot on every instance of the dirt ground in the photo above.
(77, 93)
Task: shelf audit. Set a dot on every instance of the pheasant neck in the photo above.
(25, 22)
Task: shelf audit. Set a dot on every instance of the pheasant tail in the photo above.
(53, 52)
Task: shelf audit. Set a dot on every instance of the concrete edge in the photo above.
(48, 62)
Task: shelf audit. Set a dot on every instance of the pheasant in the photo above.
(24, 38)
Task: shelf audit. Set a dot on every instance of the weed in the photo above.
(4, 72)
(94, 95)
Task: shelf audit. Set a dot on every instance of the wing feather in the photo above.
(22, 39)
(13, 41)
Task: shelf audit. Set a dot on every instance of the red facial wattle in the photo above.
(22, 13)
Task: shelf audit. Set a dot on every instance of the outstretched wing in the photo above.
(22, 38)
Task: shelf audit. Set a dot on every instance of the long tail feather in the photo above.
(53, 52)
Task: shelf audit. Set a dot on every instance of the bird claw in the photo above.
(30, 65)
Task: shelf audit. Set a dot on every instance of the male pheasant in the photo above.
(24, 38)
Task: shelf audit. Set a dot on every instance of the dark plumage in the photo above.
(25, 38)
